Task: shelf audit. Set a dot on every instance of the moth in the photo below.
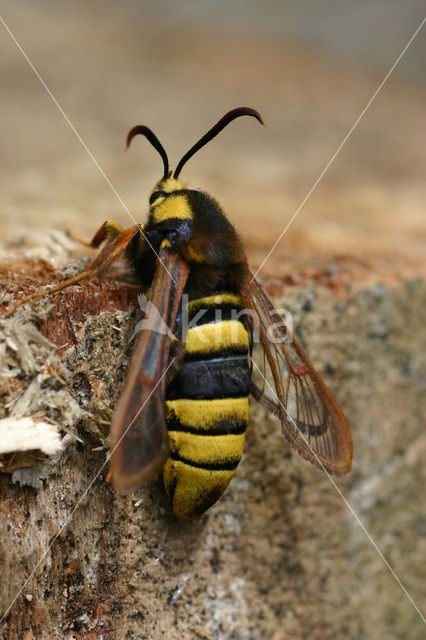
(184, 408)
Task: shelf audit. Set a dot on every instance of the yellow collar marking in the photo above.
(175, 206)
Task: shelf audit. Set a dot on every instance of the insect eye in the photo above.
(172, 236)
(157, 194)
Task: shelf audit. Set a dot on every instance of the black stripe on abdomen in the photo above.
(228, 465)
(223, 377)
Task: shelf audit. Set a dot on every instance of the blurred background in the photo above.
(310, 68)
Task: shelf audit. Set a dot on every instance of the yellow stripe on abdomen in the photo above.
(217, 336)
(193, 490)
(215, 300)
(207, 449)
(204, 415)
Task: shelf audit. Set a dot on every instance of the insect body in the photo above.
(207, 400)
(207, 407)
(184, 407)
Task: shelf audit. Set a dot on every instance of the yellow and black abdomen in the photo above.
(207, 407)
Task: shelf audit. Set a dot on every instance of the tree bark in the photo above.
(280, 555)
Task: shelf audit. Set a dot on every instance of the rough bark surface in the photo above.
(280, 555)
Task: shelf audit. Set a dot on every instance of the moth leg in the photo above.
(107, 231)
(113, 251)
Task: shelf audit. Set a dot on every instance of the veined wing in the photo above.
(139, 441)
(312, 420)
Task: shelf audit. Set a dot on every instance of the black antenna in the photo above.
(223, 122)
(152, 138)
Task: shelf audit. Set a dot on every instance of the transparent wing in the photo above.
(139, 441)
(312, 421)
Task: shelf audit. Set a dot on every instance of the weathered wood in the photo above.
(280, 555)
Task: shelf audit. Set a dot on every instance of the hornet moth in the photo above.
(184, 407)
